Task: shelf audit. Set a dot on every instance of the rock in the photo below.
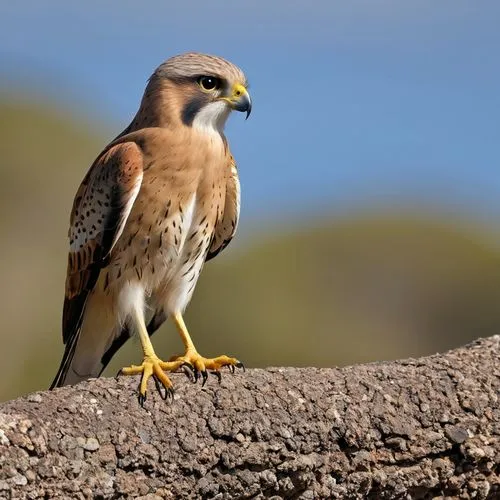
(383, 430)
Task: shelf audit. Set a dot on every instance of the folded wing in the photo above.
(226, 227)
(100, 210)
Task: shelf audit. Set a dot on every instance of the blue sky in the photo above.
(355, 102)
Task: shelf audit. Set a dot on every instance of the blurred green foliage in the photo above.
(339, 291)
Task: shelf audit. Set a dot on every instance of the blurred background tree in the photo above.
(369, 167)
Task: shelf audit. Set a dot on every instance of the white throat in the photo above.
(212, 117)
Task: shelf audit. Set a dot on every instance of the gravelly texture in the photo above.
(412, 429)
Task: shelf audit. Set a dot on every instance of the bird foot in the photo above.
(154, 367)
(200, 366)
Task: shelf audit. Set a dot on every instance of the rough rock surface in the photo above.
(424, 428)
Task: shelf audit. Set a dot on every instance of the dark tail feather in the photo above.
(69, 352)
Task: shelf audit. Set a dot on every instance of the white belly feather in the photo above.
(180, 282)
(177, 266)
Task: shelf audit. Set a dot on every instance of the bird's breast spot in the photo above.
(187, 221)
(144, 242)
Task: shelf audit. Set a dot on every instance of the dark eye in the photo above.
(209, 83)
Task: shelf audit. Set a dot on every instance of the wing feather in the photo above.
(100, 210)
(226, 227)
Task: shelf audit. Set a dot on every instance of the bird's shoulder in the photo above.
(147, 139)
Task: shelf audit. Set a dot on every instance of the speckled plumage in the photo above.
(157, 202)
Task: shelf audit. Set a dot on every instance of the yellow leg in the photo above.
(151, 366)
(198, 362)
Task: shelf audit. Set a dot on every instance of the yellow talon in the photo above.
(154, 367)
(201, 364)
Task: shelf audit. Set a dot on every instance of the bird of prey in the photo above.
(157, 203)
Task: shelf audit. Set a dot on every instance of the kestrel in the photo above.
(157, 203)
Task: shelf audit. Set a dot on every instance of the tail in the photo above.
(62, 377)
(89, 357)
(84, 359)
(85, 348)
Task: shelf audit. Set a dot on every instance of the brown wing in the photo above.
(226, 227)
(100, 211)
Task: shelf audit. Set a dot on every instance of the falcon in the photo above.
(157, 203)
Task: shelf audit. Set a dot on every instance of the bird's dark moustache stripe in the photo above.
(192, 108)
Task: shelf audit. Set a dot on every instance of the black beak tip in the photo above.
(248, 108)
(244, 105)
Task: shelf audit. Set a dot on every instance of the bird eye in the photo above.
(209, 83)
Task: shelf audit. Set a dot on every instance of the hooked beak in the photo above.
(240, 99)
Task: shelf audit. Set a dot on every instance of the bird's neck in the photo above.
(158, 109)
(161, 105)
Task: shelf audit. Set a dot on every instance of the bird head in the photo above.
(204, 89)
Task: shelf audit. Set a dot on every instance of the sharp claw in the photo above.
(217, 373)
(118, 374)
(196, 376)
(169, 393)
(231, 368)
(239, 364)
(187, 365)
(189, 371)
(142, 399)
(159, 385)
(204, 375)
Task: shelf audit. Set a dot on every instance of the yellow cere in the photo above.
(238, 90)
